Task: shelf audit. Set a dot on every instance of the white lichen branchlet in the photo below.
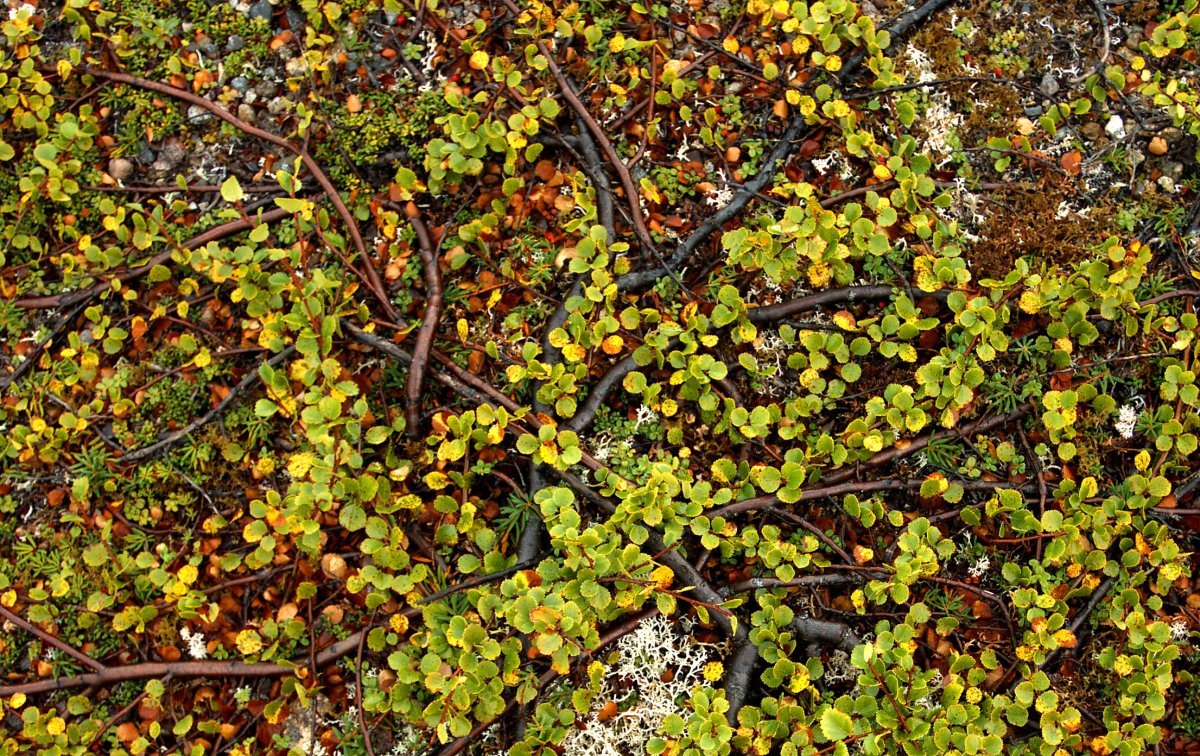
(723, 194)
(197, 646)
(839, 669)
(645, 415)
(1127, 419)
(979, 567)
(657, 666)
(1181, 632)
(940, 118)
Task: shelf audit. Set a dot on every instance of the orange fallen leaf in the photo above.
(1070, 162)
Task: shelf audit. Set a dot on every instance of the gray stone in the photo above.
(240, 83)
(120, 168)
(246, 113)
(278, 105)
(207, 47)
(1033, 111)
(146, 156)
(1172, 168)
(262, 9)
(234, 43)
(1049, 85)
(170, 156)
(266, 89)
(198, 114)
(296, 67)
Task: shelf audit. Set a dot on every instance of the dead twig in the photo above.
(414, 384)
(191, 669)
(216, 233)
(46, 637)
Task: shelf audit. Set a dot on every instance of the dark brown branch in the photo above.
(841, 489)
(783, 149)
(415, 382)
(115, 718)
(805, 581)
(175, 437)
(569, 94)
(586, 413)
(31, 359)
(476, 581)
(362, 716)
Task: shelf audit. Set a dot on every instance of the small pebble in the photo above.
(278, 105)
(1048, 85)
(261, 9)
(296, 67)
(234, 43)
(1173, 168)
(240, 83)
(1115, 127)
(120, 168)
(198, 114)
(246, 113)
(1033, 111)
(170, 156)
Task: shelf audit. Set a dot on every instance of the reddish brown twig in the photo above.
(362, 717)
(115, 718)
(376, 283)
(46, 637)
(216, 233)
(191, 669)
(415, 382)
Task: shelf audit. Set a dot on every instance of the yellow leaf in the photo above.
(574, 352)
(845, 321)
(1142, 460)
